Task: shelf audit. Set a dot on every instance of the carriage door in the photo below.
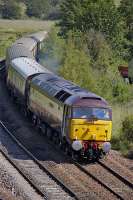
(66, 121)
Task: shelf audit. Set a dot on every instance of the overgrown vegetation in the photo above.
(124, 140)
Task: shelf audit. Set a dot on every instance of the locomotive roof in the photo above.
(27, 67)
(40, 36)
(16, 51)
(63, 90)
(28, 42)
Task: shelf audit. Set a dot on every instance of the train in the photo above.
(81, 121)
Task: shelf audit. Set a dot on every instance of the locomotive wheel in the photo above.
(55, 138)
(43, 129)
(24, 111)
(58, 142)
(49, 133)
(34, 119)
(75, 156)
(38, 124)
(66, 149)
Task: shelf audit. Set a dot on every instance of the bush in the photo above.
(126, 137)
(127, 129)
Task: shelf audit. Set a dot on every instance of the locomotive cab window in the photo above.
(91, 113)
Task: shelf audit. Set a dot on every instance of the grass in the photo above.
(10, 30)
(120, 112)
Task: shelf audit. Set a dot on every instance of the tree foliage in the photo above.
(11, 9)
(38, 8)
(93, 66)
(84, 15)
(80, 16)
(126, 11)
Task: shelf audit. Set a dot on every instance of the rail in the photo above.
(42, 167)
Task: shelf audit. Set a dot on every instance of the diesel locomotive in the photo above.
(81, 121)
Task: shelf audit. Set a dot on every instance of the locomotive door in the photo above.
(66, 121)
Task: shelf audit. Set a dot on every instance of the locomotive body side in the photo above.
(45, 107)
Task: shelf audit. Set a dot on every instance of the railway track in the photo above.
(46, 178)
(117, 178)
(68, 184)
(86, 170)
(113, 187)
(86, 182)
(115, 183)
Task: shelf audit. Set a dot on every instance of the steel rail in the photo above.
(77, 164)
(22, 174)
(97, 180)
(121, 178)
(57, 180)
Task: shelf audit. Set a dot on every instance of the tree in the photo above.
(100, 15)
(126, 11)
(11, 9)
(38, 8)
(76, 66)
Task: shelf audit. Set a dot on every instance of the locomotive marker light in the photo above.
(77, 145)
(106, 147)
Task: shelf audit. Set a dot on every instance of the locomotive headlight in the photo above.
(106, 147)
(77, 145)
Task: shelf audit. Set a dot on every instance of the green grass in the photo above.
(10, 30)
(120, 112)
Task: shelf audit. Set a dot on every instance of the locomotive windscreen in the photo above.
(91, 113)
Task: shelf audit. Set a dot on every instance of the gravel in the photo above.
(14, 182)
(125, 162)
